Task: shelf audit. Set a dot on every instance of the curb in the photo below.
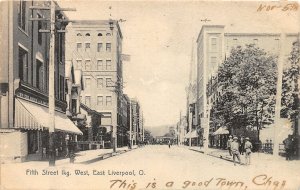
(105, 156)
(221, 157)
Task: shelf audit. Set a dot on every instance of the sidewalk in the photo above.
(84, 157)
(257, 158)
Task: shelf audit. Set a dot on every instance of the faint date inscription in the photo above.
(286, 7)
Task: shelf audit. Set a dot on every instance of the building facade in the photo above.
(213, 45)
(24, 78)
(95, 47)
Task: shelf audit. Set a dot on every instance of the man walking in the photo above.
(229, 141)
(248, 148)
(235, 150)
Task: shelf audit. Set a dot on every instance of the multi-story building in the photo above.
(135, 116)
(95, 47)
(124, 121)
(213, 44)
(24, 77)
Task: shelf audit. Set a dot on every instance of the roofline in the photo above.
(208, 26)
(86, 22)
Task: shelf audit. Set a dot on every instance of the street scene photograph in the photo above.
(149, 95)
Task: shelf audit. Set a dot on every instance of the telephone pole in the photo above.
(52, 31)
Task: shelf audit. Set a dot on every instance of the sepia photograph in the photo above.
(149, 95)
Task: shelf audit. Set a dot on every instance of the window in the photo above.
(213, 44)
(87, 34)
(108, 64)
(88, 101)
(108, 47)
(23, 64)
(39, 75)
(108, 100)
(79, 64)
(108, 34)
(87, 46)
(87, 83)
(22, 15)
(60, 47)
(61, 87)
(78, 34)
(255, 41)
(100, 100)
(108, 82)
(99, 47)
(99, 34)
(87, 65)
(99, 82)
(99, 65)
(40, 34)
(74, 105)
(79, 46)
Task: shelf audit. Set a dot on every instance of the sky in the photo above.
(159, 36)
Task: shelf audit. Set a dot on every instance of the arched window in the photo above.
(87, 34)
(108, 34)
(99, 34)
(79, 34)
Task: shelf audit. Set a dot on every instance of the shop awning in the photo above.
(191, 134)
(221, 131)
(29, 115)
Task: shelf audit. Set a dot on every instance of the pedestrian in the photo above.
(235, 150)
(288, 147)
(169, 143)
(242, 146)
(248, 149)
(229, 141)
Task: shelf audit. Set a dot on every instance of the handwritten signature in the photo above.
(262, 180)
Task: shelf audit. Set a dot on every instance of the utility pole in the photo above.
(130, 124)
(52, 31)
(51, 86)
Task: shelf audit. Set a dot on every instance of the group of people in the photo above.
(237, 148)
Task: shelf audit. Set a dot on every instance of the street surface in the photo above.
(154, 167)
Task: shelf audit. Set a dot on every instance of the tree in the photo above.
(248, 81)
(290, 89)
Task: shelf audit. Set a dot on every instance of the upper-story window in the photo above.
(99, 34)
(40, 34)
(108, 34)
(22, 15)
(255, 41)
(108, 65)
(23, 64)
(108, 47)
(39, 75)
(99, 47)
(87, 65)
(79, 46)
(87, 34)
(213, 44)
(99, 65)
(87, 83)
(79, 34)
(87, 46)
(88, 101)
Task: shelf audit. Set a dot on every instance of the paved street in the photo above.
(156, 165)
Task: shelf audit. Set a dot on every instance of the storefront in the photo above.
(32, 119)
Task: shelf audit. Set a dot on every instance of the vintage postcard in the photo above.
(153, 95)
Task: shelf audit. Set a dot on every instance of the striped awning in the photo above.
(29, 115)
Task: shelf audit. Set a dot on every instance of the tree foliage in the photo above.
(248, 82)
(290, 88)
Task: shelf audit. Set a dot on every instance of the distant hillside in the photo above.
(158, 130)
